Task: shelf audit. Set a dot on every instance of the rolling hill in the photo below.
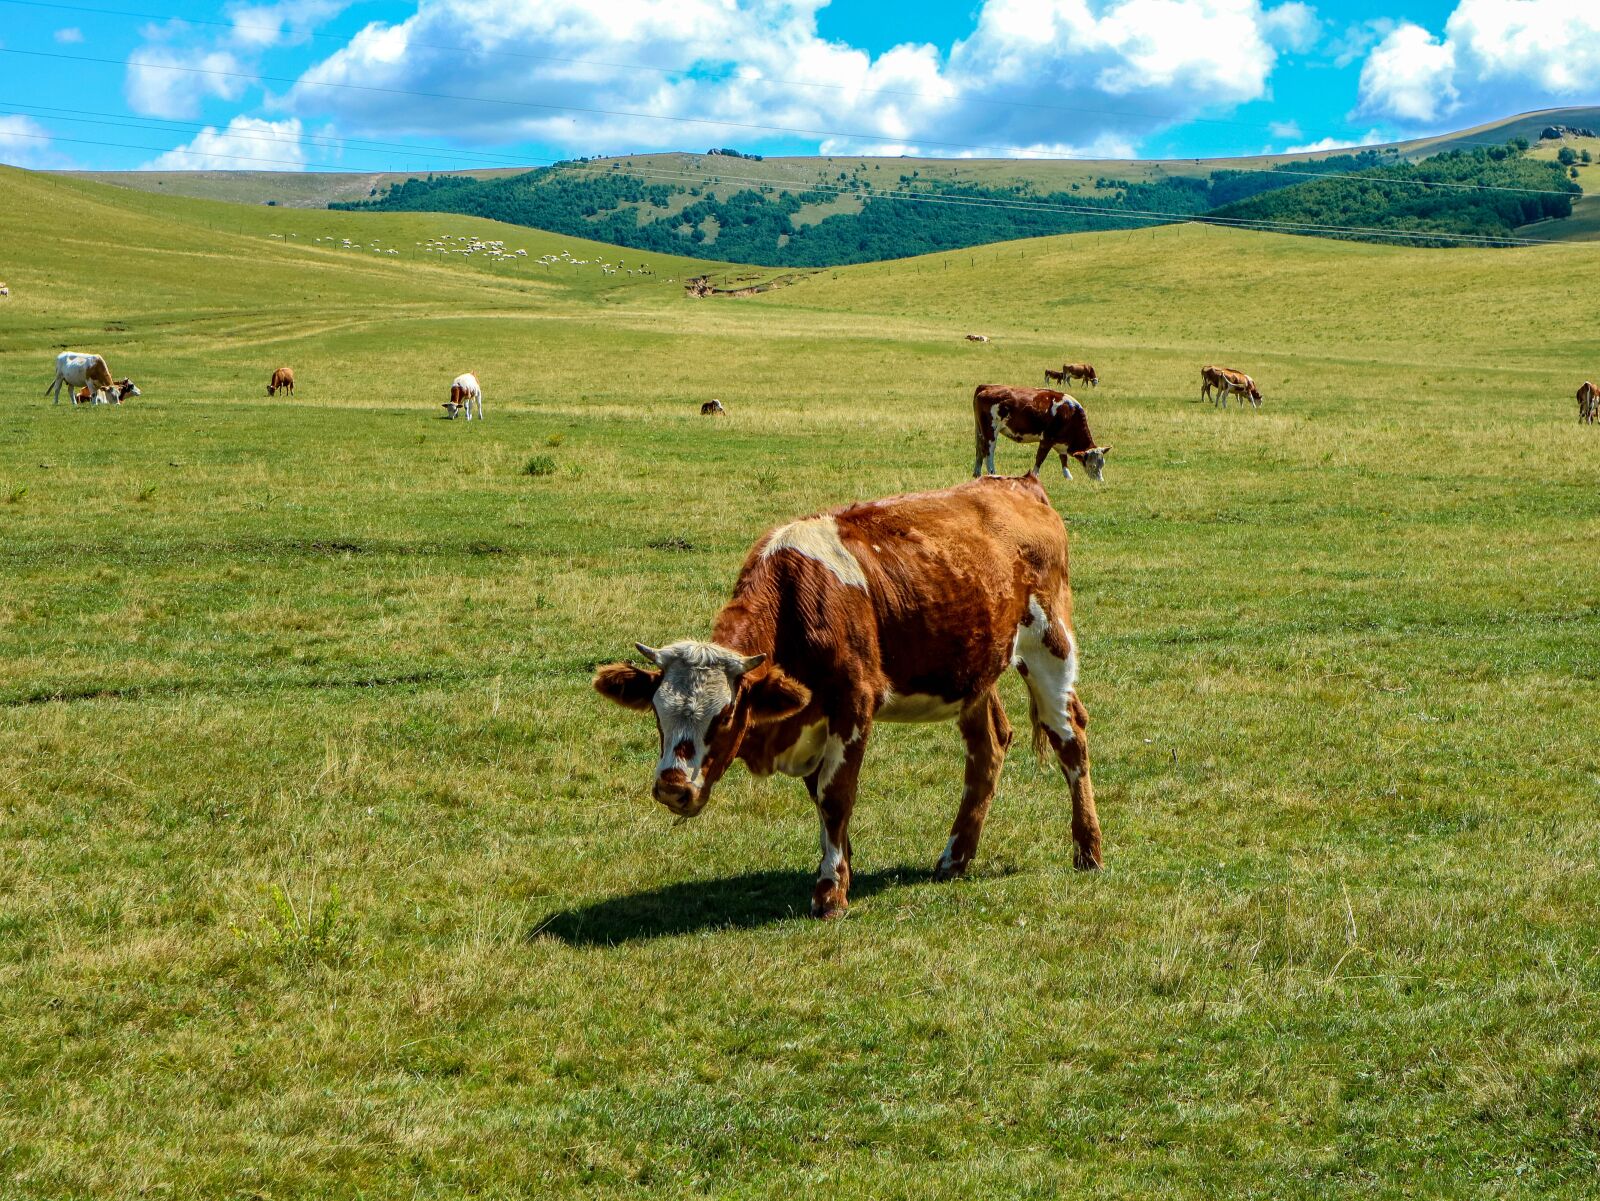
(326, 874)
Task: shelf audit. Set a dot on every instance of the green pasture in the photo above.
(323, 873)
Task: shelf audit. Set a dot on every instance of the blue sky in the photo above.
(440, 84)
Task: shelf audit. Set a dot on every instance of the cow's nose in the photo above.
(673, 789)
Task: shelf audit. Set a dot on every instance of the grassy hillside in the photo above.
(324, 873)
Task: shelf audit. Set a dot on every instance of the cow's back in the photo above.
(945, 580)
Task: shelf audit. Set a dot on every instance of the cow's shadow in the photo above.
(692, 906)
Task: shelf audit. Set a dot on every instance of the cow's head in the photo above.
(125, 388)
(704, 697)
(1093, 460)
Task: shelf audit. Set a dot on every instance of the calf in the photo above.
(464, 392)
(908, 609)
(283, 377)
(77, 370)
(977, 337)
(712, 406)
(1588, 404)
(1052, 419)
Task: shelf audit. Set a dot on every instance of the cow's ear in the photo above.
(775, 695)
(1105, 450)
(629, 686)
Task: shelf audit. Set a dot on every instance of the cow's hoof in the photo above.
(828, 902)
(1085, 863)
(945, 870)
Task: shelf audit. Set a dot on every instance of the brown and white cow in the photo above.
(77, 370)
(1226, 381)
(908, 609)
(1080, 371)
(1052, 419)
(977, 337)
(283, 377)
(711, 408)
(1588, 404)
(465, 391)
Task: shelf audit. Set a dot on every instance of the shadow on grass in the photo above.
(737, 902)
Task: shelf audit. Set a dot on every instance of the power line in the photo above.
(1118, 215)
(762, 79)
(1014, 150)
(80, 116)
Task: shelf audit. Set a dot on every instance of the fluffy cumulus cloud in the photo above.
(247, 144)
(1034, 76)
(173, 81)
(179, 66)
(26, 143)
(1494, 57)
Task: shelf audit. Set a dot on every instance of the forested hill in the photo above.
(855, 218)
(1476, 192)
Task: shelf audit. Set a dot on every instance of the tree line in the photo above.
(763, 224)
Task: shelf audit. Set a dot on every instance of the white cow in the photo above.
(88, 370)
(463, 392)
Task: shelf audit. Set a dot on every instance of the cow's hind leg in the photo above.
(833, 790)
(987, 733)
(1048, 660)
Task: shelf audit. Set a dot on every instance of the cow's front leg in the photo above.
(1045, 446)
(987, 733)
(833, 789)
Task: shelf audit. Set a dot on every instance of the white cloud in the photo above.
(1373, 137)
(1284, 129)
(26, 143)
(1039, 76)
(170, 81)
(180, 66)
(70, 36)
(1294, 26)
(287, 22)
(1494, 58)
(247, 144)
(1409, 76)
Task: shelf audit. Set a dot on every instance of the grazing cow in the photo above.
(463, 393)
(1080, 371)
(283, 377)
(1588, 404)
(901, 610)
(977, 337)
(1226, 381)
(712, 406)
(88, 370)
(1052, 419)
(1054, 377)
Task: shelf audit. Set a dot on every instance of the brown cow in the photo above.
(1080, 371)
(1588, 404)
(1052, 419)
(1225, 381)
(283, 377)
(901, 610)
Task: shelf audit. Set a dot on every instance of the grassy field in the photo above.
(324, 874)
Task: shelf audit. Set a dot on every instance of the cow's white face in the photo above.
(1093, 460)
(704, 697)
